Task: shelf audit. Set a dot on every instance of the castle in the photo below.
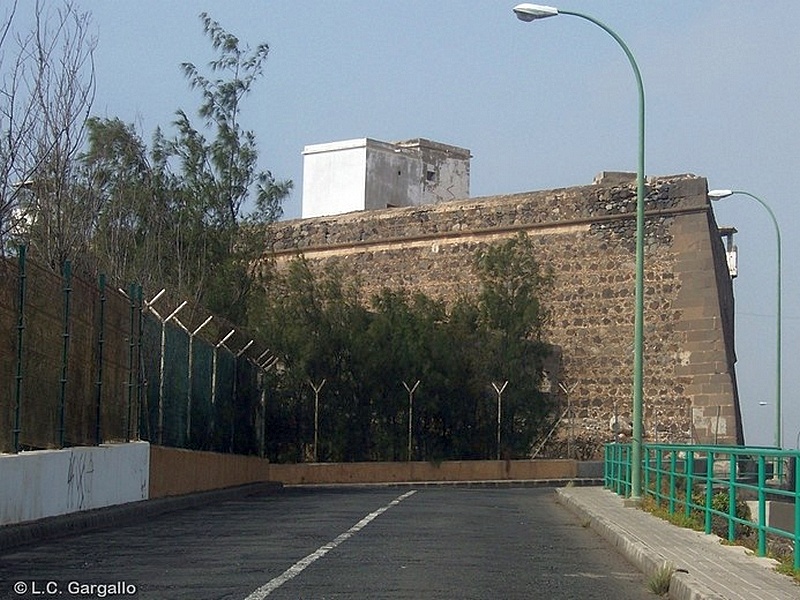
(586, 234)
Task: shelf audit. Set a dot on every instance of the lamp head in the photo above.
(530, 12)
(719, 194)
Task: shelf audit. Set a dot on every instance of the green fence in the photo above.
(83, 362)
(65, 358)
(714, 483)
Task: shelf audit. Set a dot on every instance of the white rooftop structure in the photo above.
(367, 174)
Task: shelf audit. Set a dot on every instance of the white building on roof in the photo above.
(366, 174)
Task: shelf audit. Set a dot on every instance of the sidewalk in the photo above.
(708, 570)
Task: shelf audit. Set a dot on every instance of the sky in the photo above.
(540, 105)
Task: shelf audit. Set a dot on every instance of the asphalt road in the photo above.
(410, 543)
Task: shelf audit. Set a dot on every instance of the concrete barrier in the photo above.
(47, 483)
(477, 470)
(175, 472)
(51, 483)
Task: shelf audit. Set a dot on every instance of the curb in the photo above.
(465, 484)
(647, 560)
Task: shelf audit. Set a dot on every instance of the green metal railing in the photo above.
(713, 483)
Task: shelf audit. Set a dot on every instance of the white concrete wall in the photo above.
(334, 178)
(47, 483)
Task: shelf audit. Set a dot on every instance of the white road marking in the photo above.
(298, 567)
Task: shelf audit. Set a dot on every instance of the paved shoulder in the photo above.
(708, 569)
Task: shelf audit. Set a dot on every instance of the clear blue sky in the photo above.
(540, 105)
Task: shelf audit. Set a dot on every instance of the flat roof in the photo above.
(389, 146)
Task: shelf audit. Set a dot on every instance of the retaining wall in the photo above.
(175, 472)
(48, 483)
(479, 470)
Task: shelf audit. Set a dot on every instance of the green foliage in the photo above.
(678, 518)
(786, 567)
(659, 581)
(174, 216)
(511, 281)
(743, 535)
(720, 502)
(321, 328)
(510, 310)
(223, 169)
(133, 213)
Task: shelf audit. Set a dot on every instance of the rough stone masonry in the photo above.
(587, 234)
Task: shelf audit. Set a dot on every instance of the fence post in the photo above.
(131, 350)
(141, 381)
(732, 497)
(235, 390)
(499, 389)
(709, 488)
(659, 476)
(264, 367)
(162, 365)
(316, 389)
(190, 362)
(673, 468)
(214, 361)
(100, 343)
(20, 338)
(410, 391)
(796, 466)
(689, 481)
(62, 403)
(762, 507)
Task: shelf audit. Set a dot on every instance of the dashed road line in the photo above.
(298, 567)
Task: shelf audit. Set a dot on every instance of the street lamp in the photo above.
(530, 12)
(719, 195)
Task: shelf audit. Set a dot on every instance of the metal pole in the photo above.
(316, 424)
(571, 416)
(778, 439)
(141, 381)
(99, 384)
(316, 414)
(638, 325)
(162, 361)
(161, 364)
(21, 274)
(263, 420)
(499, 391)
(190, 375)
(265, 367)
(410, 391)
(214, 361)
(131, 352)
(778, 410)
(235, 390)
(62, 402)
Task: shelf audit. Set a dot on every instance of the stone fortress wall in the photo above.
(587, 234)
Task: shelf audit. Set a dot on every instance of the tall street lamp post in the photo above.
(719, 195)
(531, 12)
